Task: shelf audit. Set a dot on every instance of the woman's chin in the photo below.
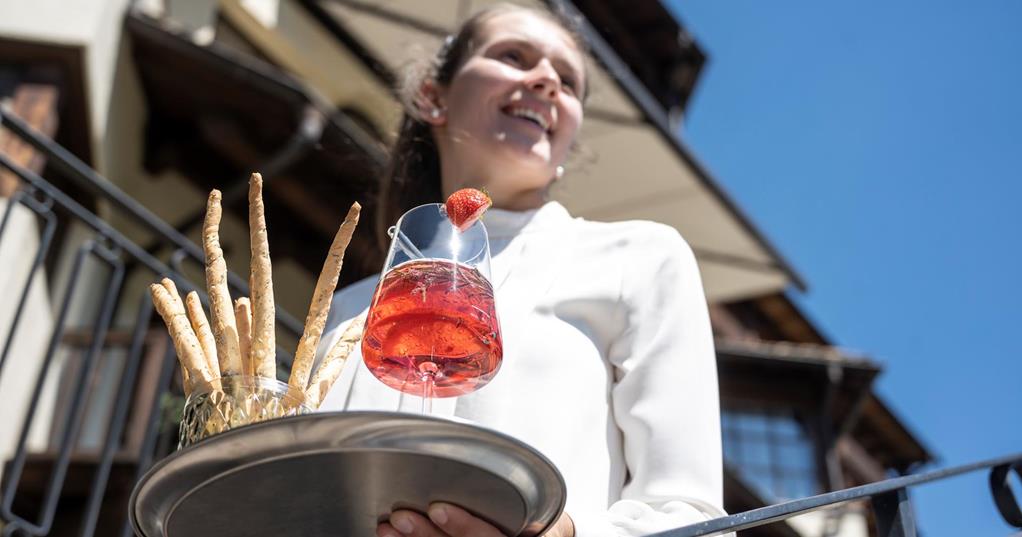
(518, 151)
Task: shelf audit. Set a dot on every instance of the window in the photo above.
(771, 452)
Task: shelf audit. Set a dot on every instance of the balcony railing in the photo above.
(124, 269)
(134, 430)
(889, 499)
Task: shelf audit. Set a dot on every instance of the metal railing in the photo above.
(889, 499)
(53, 211)
(121, 257)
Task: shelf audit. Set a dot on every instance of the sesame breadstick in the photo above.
(263, 350)
(221, 312)
(333, 363)
(321, 298)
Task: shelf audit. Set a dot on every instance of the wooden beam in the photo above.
(859, 467)
(727, 325)
(226, 138)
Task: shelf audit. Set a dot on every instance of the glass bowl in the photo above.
(237, 401)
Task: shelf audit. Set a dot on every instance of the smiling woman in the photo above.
(608, 364)
(513, 100)
(497, 54)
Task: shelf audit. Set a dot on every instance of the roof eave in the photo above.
(658, 117)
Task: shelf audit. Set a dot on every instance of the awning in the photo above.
(215, 115)
(643, 170)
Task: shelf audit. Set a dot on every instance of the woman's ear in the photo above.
(429, 104)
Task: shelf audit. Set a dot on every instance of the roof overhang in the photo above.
(655, 46)
(216, 114)
(643, 171)
(804, 375)
(887, 437)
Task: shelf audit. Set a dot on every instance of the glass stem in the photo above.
(427, 394)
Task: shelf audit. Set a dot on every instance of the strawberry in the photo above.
(466, 206)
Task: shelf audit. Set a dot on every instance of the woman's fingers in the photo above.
(384, 529)
(408, 523)
(445, 520)
(457, 522)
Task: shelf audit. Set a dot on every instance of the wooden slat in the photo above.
(859, 466)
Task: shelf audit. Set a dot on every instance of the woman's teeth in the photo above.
(530, 115)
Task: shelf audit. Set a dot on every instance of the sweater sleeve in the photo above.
(664, 399)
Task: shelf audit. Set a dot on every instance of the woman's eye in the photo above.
(512, 56)
(569, 84)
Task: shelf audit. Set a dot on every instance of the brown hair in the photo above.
(412, 176)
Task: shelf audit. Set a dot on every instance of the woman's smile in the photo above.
(536, 116)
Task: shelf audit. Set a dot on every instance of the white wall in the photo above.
(18, 377)
(55, 21)
(94, 25)
(841, 521)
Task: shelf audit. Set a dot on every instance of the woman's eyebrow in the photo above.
(558, 61)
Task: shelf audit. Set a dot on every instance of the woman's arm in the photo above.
(664, 399)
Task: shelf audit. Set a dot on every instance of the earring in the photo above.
(559, 172)
(434, 113)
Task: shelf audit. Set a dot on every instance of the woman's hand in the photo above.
(446, 520)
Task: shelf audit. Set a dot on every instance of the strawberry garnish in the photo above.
(466, 206)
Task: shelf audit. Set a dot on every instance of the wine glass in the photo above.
(432, 328)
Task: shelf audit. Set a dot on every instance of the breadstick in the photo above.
(221, 313)
(197, 317)
(333, 363)
(243, 315)
(263, 350)
(186, 381)
(186, 344)
(321, 298)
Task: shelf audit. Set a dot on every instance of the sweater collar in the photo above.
(501, 223)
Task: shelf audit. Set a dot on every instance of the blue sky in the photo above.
(879, 146)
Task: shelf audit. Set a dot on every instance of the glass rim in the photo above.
(439, 206)
(232, 383)
(477, 257)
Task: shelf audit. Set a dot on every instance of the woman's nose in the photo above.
(543, 80)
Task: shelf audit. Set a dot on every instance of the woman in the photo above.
(608, 365)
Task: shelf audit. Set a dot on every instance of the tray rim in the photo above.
(226, 435)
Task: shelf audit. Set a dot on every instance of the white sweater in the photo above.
(608, 367)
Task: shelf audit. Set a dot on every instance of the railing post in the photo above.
(1004, 498)
(895, 517)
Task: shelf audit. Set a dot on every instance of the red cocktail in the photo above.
(432, 329)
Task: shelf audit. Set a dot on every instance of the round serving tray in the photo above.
(340, 474)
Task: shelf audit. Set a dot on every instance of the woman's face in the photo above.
(513, 108)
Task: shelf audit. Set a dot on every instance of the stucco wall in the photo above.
(18, 246)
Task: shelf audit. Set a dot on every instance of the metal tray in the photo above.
(340, 474)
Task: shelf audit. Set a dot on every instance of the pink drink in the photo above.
(433, 321)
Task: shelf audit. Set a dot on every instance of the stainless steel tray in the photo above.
(340, 474)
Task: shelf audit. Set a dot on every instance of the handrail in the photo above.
(79, 172)
(890, 494)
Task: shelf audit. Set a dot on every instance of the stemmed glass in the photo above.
(432, 328)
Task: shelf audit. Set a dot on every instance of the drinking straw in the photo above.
(405, 243)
